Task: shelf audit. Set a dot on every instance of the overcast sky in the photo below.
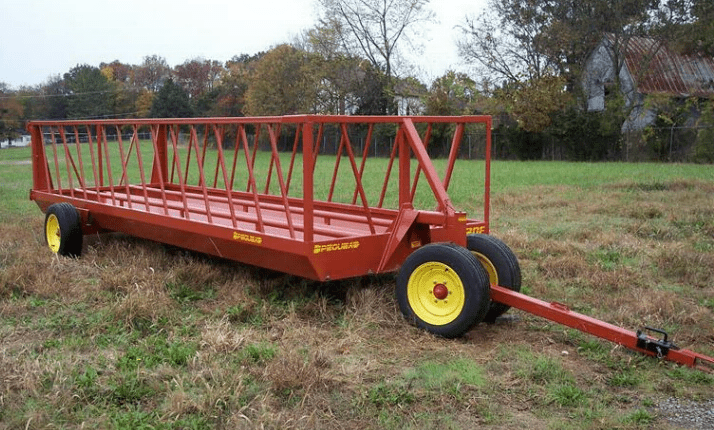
(43, 38)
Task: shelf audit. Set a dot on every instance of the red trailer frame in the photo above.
(304, 236)
(171, 186)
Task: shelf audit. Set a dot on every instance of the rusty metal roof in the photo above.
(657, 69)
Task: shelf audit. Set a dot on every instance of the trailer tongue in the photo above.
(640, 341)
(198, 184)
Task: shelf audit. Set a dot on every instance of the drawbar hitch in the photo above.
(659, 347)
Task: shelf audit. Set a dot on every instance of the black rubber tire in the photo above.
(469, 272)
(492, 252)
(68, 229)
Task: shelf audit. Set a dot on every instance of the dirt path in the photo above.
(15, 162)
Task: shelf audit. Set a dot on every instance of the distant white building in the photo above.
(23, 140)
(408, 97)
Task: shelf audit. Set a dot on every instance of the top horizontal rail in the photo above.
(289, 119)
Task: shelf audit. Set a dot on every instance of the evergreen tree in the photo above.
(89, 94)
(171, 102)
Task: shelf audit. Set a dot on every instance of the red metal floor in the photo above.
(332, 220)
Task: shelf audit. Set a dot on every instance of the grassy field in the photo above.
(136, 335)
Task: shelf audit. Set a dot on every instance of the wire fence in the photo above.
(660, 144)
(663, 144)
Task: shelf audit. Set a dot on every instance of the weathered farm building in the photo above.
(647, 67)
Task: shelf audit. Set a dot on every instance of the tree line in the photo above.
(527, 58)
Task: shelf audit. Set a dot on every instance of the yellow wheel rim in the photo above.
(436, 293)
(52, 231)
(488, 265)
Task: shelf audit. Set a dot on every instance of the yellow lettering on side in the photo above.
(332, 247)
(247, 238)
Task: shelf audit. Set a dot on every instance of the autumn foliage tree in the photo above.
(284, 83)
(124, 98)
(197, 76)
(228, 96)
(532, 103)
(152, 73)
(453, 93)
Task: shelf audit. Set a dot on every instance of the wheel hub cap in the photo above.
(440, 291)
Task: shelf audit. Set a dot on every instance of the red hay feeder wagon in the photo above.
(195, 183)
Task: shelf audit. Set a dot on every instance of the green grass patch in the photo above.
(541, 369)
(129, 388)
(384, 394)
(690, 376)
(259, 353)
(625, 378)
(134, 418)
(608, 259)
(565, 395)
(636, 177)
(640, 417)
(155, 350)
(16, 154)
(447, 376)
(184, 293)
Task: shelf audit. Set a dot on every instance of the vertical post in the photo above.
(40, 173)
(99, 156)
(161, 163)
(405, 195)
(308, 170)
(487, 179)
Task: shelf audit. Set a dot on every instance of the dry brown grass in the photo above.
(220, 345)
(221, 338)
(144, 306)
(679, 263)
